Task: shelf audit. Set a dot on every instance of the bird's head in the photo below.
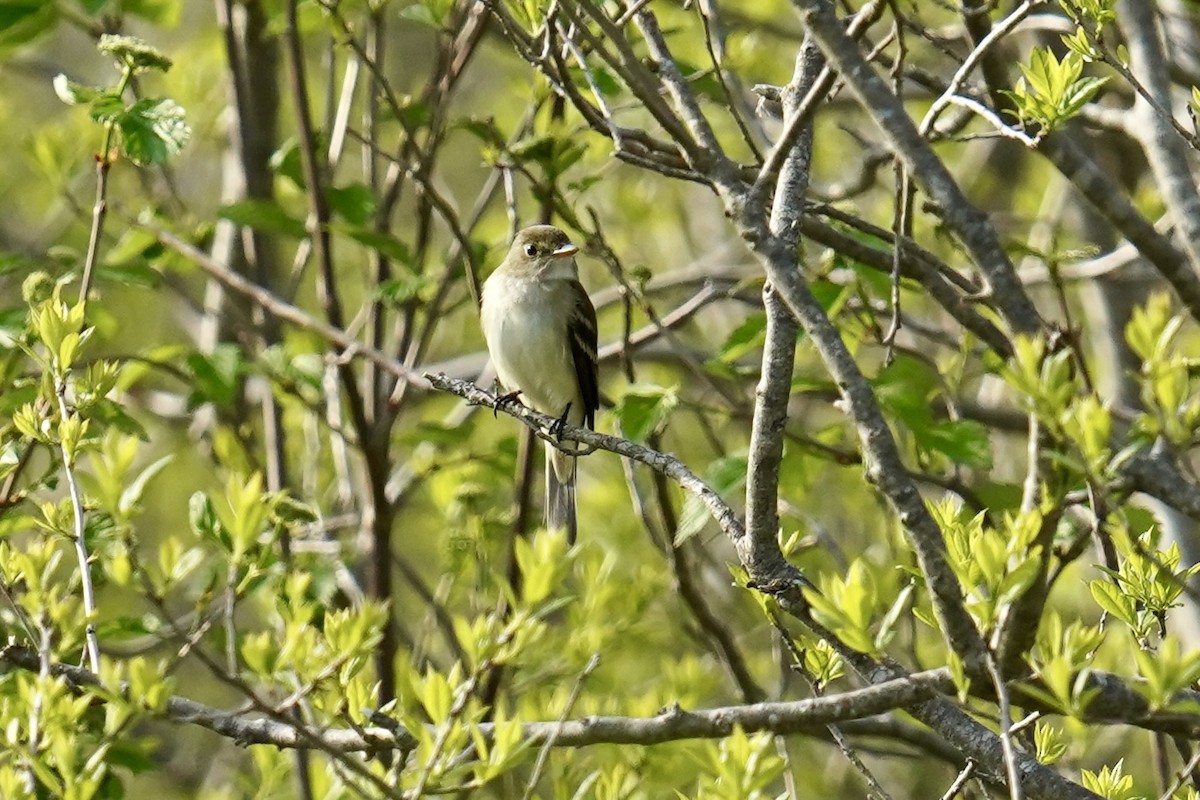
(543, 251)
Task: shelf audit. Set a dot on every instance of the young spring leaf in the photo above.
(153, 130)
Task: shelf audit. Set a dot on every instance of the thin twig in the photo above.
(801, 117)
(81, 551)
(839, 738)
(997, 33)
(960, 781)
(669, 465)
(99, 213)
(673, 724)
(100, 208)
(1006, 742)
(268, 301)
(779, 348)
(544, 753)
(968, 222)
(1181, 777)
(902, 200)
(993, 118)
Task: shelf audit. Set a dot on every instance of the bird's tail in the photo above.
(560, 492)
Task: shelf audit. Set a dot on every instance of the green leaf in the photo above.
(264, 215)
(435, 694)
(1049, 743)
(1051, 91)
(1114, 601)
(135, 243)
(1080, 93)
(433, 13)
(823, 662)
(704, 82)
(153, 130)
(132, 494)
(67, 349)
(906, 390)
(1110, 783)
(724, 475)
(847, 605)
(202, 518)
(1017, 581)
(164, 13)
(555, 154)
(22, 21)
(243, 511)
(905, 387)
(387, 244)
(288, 510)
(354, 203)
(216, 376)
(604, 80)
(643, 409)
(260, 652)
(126, 626)
(15, 12)
(286, 163)
(483, 129)
(745, 338)
(542, 562)
(112, 414)
(420, 14)
(411, 112)
(135, 755)
(140, 275)
(401, 290)
(887, 625)
(832, 296)
(963, 441)
(106, 106)
(436, 433)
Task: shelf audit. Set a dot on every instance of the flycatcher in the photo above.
(540, 329)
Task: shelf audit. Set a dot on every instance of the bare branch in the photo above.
(914, 266)
(800, 118)
(714, 160)
(673, 724)
(1166, 150)
(779, 351)
(968, 65)
(885, 467)
(1156, 472)
(967, 221)
(665, 463)
(350, 347)
(1071, 159)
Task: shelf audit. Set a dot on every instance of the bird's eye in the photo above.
(530, 250)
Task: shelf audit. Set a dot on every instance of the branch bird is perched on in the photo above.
(540, 329)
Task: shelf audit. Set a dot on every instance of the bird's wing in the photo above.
(581, 332)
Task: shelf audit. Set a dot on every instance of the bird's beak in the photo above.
(567, 249)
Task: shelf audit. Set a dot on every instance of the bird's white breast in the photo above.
(525, 324)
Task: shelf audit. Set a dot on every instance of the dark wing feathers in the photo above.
(582, 334)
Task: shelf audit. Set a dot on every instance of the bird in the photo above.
(540, 328)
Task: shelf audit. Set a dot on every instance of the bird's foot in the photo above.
(560, 425)
(504, 399)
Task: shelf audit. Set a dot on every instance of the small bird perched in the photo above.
(540, 329)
